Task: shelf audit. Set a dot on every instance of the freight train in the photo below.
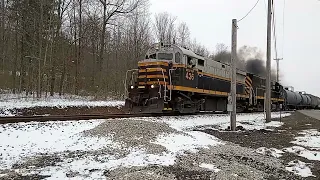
(175, 79)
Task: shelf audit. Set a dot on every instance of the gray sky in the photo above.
(209, 22)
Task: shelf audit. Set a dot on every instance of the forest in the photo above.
(85, 47)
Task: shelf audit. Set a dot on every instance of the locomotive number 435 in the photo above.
(189, 74)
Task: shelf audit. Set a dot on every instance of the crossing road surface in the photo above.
(311, 113)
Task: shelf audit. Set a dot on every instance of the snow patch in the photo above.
(300, 151)
(300, 168)
(270, 152)
(210, 167)
(27, 139)
(93, 168)
(248, 121)
(310, 138)
(178, 143)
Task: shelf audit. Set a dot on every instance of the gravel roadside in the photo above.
(280, 138)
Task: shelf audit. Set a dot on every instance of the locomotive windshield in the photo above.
(161, 56)
(165, 56)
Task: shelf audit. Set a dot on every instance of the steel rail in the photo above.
(45, 118)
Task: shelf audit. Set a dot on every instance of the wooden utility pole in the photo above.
(233, 92)
(278, 59)
(268, 80)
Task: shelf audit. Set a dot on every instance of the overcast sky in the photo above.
(209, 22)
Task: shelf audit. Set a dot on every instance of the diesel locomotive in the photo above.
(175, 79)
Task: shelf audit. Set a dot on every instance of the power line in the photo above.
(249, 11)
(274, 29)
(284, 7)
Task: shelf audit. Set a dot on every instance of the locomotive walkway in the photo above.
(311, 113)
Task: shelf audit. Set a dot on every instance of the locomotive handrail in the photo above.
(170, 70)
(159, 92)
(165, 86)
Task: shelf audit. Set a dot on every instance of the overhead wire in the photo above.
(249, 11)
(274, 29)
(283, 16)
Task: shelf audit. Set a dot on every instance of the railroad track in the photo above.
(44, 118)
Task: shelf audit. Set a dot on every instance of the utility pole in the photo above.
(233, 92)
(268, 80)
(278, 59)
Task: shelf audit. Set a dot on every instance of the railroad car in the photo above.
(175, 79)
(315, 101)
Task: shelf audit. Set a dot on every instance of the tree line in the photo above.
(82, 46)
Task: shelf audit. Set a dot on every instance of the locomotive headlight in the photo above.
(132, 87)
(152, 86)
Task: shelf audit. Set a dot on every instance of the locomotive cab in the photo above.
(162, 69)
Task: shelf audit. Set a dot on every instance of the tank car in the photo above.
(175, 79)
(315, 101)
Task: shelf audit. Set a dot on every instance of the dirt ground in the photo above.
(279, 138)
(236, 159)
(66, 111)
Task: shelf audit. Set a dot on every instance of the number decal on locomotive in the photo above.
(189, 74)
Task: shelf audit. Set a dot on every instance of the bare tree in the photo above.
(165, 27)
(198, 48)
(183, 34)
(222, 54)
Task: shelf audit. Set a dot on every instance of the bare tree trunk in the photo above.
(53, 72)
(40, 50)
(93, 64)
(2, 31)
(14, 73)
(62, 77)
(102, 46)
(79, 51)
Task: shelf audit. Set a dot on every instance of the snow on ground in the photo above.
(27, 139)
(301, 151)
(85, 166)
(176, 143)
(210, 167)
(248, 121)
(310, 138)
(20, 101)
(299, 168)
(271, 152)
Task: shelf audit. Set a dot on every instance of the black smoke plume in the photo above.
(256, 66)
(250, 59)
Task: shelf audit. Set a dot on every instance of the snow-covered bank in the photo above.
(11, 102)
(8, 101)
